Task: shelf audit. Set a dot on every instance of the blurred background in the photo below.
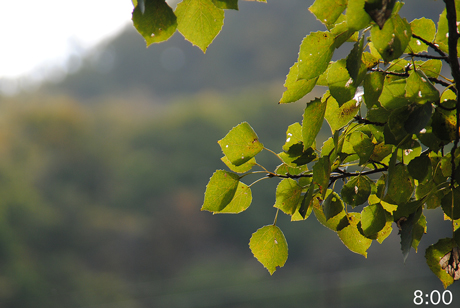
(104, 159)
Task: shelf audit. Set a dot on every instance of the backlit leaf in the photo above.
(357, 190)
(392, 39)
(321, 174)
(269, 247)
(401, 184)
(373, 219)
(296, 88)
(220, 191)
(433, 256)
(407, 232)
(341, 85)
(357, 18)
(362, 145)
(315, 53)
(226, 4)
(426, 29)
(337, 117)
(241, 144)
(288, 196)
(419, 88)
(352, 238)
(155, 21)
(241, 168)
(199, 21)
(393, 93)
(313, 120)
(327, 11)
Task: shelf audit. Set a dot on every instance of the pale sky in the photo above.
(39, 34)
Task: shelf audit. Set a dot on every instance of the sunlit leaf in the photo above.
(335, 223)
(393, 93)
(401, 184)
(419, 88)
(241, 168)
(315, 53)
(313, 120)
(288, 196)
(362, 145)
(357, 18)
(327, 11)
(321, 174)
(373, 219)
(341, 85)
(337, 117)
(352, 238)
(226, 4)
(392, 39)
(426, 29)
(199, 21)
(296, 88)
(241, 144)
(220, 190)
(269, 247)
(433, 256)
(155, 21)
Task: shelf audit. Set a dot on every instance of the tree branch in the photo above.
(434, 46)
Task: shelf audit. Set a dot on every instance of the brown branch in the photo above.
(434, 46)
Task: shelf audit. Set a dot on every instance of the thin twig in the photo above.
(434, 46)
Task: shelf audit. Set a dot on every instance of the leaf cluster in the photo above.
(394, 121)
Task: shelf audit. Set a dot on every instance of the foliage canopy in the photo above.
(394, 120)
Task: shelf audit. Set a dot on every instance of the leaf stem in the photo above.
(274, 154)
(276, 217)
(258, 180)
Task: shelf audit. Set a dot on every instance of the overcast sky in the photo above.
(36, 34)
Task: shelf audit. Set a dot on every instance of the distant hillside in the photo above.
(258, 44)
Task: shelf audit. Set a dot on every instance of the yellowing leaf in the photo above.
(199, 21)
(269, 247)
(296, 88)
(352, 237)
(241, 144)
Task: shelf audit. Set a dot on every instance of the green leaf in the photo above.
(315, 53)
(431, 68)
(199, 21)
(352, 238)
(426, 29)
(407, 234)
(435, 258)
(306, 206)
(373, 86)
(226, 4)
(341, 85)
(156, 22)
(362, 145)
(419, 89)
(321, 174)
(450, 204)
(373, 219)
(401, 184)
(418, 118)
(393, 93)
(269, 247)
(226, 194)
(296, 88)
(288, 196)
(241, 144)
(357, 190)
(392, 39)
(332, 206)
(241, 168)
(313, 120)
(293, 136)
(357, 18)
(327, 11)
(335, 223)
(342, 33)
(442, 33)
(297, 156)
(337, 117)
